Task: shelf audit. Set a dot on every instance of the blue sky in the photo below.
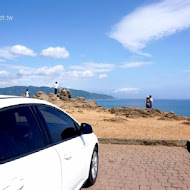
(124, 48)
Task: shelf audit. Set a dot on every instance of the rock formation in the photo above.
(65, 101)
(64, 94)
(133, 112)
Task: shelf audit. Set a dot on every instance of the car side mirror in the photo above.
(86, 128)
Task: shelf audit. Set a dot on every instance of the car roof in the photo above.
(8, 100)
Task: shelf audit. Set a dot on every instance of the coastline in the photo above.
(125, 123)
(178, 106)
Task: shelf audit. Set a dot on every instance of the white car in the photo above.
(44, 148)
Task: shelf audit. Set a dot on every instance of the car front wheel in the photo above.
(93, 169)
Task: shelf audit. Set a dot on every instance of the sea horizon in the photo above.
(178, 106)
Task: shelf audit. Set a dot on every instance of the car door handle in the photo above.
(68, 156)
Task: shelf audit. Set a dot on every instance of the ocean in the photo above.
(180, 107)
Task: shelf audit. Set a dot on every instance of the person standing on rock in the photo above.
(27, 94)
(151, 101)
(56, 87)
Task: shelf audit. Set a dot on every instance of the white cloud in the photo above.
(11, 52)
(74, 74)
(3, 83)
(24, 75)
(94, 67)
(57, 73)
(102, 76)
(100, 67)
(55, 52)
(22, 50)
(134, 64)
(15, 67)
(38, 76)
(3, 73)
(90, 69)
(127, 90)
(43, 71)
(79, 74)
(87, 73)
(6, 54)
(152, 22)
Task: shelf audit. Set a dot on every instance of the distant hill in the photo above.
(18, 90)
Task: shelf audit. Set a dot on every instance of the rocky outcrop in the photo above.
(41, 95)
(172, 116)
(64, 100)
(80, 103)
(64, 94)
(80, 99)
(52, 97)
(133, 112)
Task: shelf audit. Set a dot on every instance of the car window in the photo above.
(19, 133)
(60, 126)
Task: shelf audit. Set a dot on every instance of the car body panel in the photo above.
(61, 166)
(73, 159)
(40, 170)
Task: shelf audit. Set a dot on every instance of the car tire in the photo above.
(93, 173)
